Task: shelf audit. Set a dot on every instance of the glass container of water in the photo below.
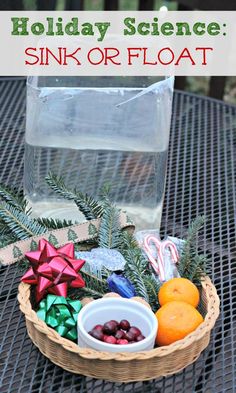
(93, 131)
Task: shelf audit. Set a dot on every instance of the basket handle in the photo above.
(84, 231)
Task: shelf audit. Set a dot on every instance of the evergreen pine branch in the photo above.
(136, 276)
(86, 204)
(13, 198)
(190, 245)
(16, 224)
(128, 242)
(136, 265)
(4, 230)
(137, 270)
(136, 255)
(129, 248)
(191, 265)
(23, 265)
(6, 239)
(19, 223)
(93, 285)
(152, 286)
(109, 230)
(52, 223)
(6, 236)
(83, 292)
(104, 191)
(197, 269)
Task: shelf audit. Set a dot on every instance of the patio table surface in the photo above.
(200, 180)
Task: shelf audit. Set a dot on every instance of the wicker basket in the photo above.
(122, 367)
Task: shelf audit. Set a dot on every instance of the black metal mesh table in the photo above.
(201, 180)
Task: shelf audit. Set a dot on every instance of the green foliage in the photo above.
(128, 243)
(137, 270)
(16, 223)
(109, 231)
(95, 287)
(13, 198)
(198, 269)
(152, 286)
(19, 223)
(192, 265)
(104, 192)
(52, 223)
(6, 239)
(135, 273)
(90, 208)
(23, 265)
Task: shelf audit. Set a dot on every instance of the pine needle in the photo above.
(109, 231)
(52, 223)
(19, 223)
(192, 265)
(90, 208)
(136, 265)
(136, 276)
(6, 239)
(95, 286)
(152, 286)
(13, 198)
(128, 241)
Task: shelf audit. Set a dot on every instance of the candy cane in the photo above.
(160, 257)
(148, 251)
(173, 250)
(157, 264)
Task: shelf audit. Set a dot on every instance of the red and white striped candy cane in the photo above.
(173, 250)
(157, 263)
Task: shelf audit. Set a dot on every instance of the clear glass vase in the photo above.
(93, 131)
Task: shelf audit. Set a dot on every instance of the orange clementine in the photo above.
(179, 289)
(175, 321)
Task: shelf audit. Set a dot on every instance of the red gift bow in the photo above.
(53, 269)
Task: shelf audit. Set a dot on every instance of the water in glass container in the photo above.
(84, 135)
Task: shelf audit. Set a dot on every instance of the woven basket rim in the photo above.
(211, 316)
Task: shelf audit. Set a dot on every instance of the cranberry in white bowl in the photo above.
(101, 311)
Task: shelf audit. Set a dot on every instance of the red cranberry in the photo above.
(110, 340)
(110, 327)
(120, 334)
(124, 324)
(122, 341)
(98, 327)
(130, 336)
(140, 337)
(113, 320)
(97, 334)
(135, 331)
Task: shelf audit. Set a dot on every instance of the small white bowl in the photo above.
(103, 310)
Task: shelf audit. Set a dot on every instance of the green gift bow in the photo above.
(61, 314)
